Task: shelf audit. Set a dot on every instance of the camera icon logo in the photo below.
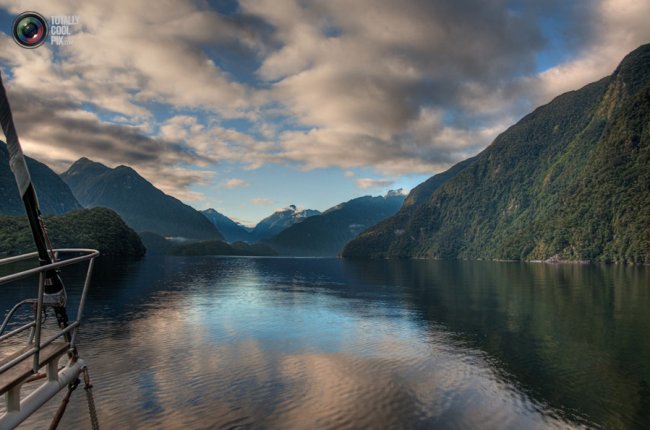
(30, 30)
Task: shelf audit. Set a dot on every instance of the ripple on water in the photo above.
(249, 343)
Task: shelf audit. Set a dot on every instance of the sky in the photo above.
(252, 105)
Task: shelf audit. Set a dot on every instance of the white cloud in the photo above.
(124, 55)
(400, 87)
(623, 26)
(175, 180)
(365, 183)
(215, 143)
(363, 78)
(261, 202)
(127, 52)
(236, 183)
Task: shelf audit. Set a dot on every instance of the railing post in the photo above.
(13, 399)
(38, 319)
(82, 301)
(17, 409)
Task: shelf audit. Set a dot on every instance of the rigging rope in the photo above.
(88, 387)
(64, 404)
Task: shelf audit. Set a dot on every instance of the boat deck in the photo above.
(20, 372)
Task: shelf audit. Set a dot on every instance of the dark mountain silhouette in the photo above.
(97, 228)
(142, 206)
(54, 196)
(158, 245)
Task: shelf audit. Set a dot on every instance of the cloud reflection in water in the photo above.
(228, 343)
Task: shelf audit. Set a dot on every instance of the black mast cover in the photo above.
(18, 165)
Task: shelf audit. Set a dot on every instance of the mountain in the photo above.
(384, 231)
(142, 206)
(218, 247)
(231, 230)
(158, 245)
(98, 228)
(54, 195)
(570, 181)
(155, 243)
(265, 229)
(327, 233)
(281, 220)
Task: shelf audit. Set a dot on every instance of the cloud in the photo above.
(216, 143)
(58, 132)
(236, 183)
(365, 183)
(93, 98)
(426, 147)
(622, 28)
(57, 129)
(261, 202)
(363, 79)
(398, 87)
(127, 60)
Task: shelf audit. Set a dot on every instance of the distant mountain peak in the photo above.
(325, 234)
(280, 220)
(287, 210)
(231, 230)
(400, 192)
(85, 163)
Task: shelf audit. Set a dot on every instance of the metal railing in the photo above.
(35, 325)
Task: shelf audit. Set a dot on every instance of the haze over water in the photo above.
(215, 342)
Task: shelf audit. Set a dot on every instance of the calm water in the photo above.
(203, 343)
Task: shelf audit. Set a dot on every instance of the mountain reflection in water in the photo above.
(327, 343)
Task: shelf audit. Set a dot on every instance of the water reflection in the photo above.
(573, 336)
(317, 343)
